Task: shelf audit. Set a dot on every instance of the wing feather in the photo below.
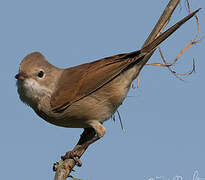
(85, 79)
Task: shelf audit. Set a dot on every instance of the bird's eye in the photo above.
(40, 74)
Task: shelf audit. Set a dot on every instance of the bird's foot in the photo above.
(74, 154)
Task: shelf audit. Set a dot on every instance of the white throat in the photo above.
(31, 92)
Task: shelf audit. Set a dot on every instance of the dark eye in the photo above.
(40, 74)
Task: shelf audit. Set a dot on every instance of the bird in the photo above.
(83, 96)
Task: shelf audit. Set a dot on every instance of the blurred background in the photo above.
(164, 119)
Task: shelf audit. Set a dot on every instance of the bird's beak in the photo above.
(21, 76)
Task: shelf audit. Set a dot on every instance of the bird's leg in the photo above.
(89, 136)
(77, 151)
(99, 132)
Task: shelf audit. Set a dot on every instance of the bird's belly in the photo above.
(78, 114)
(103, 103)
(100, 105)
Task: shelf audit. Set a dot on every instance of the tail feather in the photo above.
(166, 34)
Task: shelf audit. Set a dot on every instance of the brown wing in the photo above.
(84, 79)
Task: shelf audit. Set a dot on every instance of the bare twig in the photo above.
(191, 43)
(162, 22)
(63, 169)
(122, 127)
(188, 6)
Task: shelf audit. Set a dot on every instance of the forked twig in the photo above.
(191, 43)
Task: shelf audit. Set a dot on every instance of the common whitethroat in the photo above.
(86, 95)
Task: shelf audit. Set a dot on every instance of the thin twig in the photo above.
(162, 22)
(120, 121)
(191, 43)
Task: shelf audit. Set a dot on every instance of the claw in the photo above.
(77, 161)
(57, 164)
(73, 155)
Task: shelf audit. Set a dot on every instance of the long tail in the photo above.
(166, 34)
(153, 45)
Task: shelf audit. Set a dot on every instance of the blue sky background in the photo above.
(164, 118)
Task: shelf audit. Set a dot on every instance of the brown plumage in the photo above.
(83, 96)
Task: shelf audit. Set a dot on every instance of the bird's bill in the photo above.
(21, 76)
